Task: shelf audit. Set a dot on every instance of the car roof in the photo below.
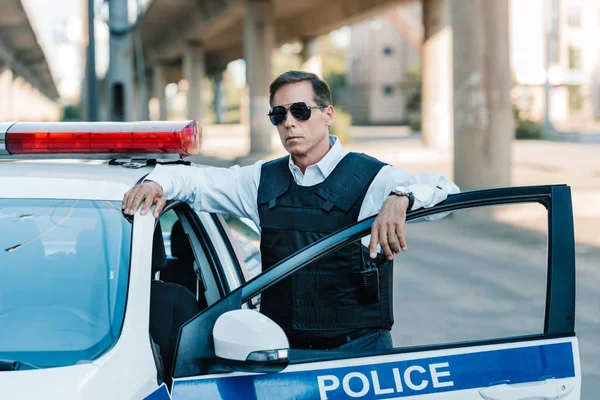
(86, 170)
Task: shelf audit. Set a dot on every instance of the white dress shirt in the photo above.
(234, 190)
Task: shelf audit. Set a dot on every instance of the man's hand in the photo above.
(148, 193)
(388, 228)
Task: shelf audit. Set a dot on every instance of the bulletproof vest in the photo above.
(326, 294)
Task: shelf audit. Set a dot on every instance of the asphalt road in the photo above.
(477, 280)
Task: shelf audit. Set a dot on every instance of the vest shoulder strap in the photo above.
(350, 179)
(275, 178)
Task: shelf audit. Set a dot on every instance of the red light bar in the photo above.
(124, 138)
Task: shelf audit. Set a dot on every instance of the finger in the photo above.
(131, 206)
(148, 201)
(124, 202)
(373, 242)
(128, 201)
(383, 242)
(160, 204)
(137, 200)
(401, 237)
(392, 239)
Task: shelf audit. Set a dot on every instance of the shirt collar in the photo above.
(331, 159)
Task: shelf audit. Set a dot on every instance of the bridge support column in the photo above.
(142, 99)
(259, 38)
(311, 57)
(483, 116)
(119, 77)
(436, 102)
(29, 110)
(193, 73)
(158, 91)
(219, 96)
(17, 105)
(6, 95)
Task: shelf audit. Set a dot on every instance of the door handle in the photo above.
(543, 390)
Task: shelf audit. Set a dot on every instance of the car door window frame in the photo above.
(235, 255)
(186, 214)
(228, 239)
(196, 335)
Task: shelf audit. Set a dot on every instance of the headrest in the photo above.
(180, 245)
(159, 256)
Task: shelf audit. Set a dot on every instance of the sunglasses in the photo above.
(300, 111)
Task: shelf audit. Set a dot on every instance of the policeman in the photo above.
(345, 299)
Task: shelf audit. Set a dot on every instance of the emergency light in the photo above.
(73, 139)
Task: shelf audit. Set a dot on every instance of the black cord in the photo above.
(151, 162)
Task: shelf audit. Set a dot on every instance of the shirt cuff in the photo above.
(420, 194)
(161, 176)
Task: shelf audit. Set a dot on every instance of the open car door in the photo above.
(520, 357)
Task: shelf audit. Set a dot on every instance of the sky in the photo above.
(59, 29)
(47, 17)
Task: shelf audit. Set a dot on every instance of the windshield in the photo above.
(64, 268)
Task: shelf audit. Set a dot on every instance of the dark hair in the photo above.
(321, 92)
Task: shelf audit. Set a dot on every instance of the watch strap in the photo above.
(408, 194)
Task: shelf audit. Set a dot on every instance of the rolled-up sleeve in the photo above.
(428, 188)
(219, 190)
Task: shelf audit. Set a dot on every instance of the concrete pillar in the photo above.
(193, 72)
(36, 99)
(6, 95)
(18, 105)
(219, 96)
(483, 117)
(436, 100)
(119, 78)
(159, 84)
(39, 105)
(29, 112)
(312, 60)
(142, 100)
(259, 38)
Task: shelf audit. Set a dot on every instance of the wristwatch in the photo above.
(402, 191)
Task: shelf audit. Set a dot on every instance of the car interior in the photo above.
(176, 296)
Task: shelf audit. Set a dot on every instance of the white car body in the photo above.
(128, 370)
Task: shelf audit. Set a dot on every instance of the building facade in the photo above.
(573, 54)
(383, 51)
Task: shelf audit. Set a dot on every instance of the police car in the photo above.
(94, 305)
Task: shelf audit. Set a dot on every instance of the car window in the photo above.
(484, 275)
(167, 221)
(478, 274)
(246, 240)
(180, 267)
(64, 268)
(189, 262)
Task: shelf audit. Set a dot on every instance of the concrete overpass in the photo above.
(186, 40)
(27, 89)
(219, 26)
(465, 65)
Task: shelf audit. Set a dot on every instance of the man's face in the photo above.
(300, 137)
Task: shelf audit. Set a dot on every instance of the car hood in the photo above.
(64, 383)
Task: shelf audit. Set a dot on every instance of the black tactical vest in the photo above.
(322, 298)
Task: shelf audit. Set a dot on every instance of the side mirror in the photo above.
(250, 342)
